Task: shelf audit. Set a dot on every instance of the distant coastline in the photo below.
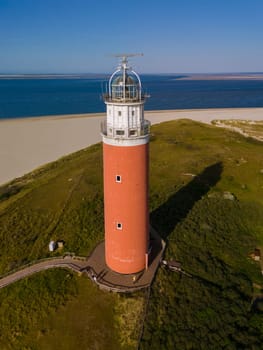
(221, 76)
(54, 76)
(181, 76)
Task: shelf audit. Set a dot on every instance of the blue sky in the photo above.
(74, 36)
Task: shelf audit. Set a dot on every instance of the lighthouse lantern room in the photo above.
(125, 135)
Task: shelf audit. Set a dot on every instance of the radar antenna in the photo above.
(124, 57)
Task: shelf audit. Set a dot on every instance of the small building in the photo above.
(60, 244)
(257, 254)
(52, 246)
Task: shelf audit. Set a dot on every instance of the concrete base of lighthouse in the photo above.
(110, 280)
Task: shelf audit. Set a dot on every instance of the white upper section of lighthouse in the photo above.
(124, 99)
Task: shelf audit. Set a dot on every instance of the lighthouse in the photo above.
(125, 135)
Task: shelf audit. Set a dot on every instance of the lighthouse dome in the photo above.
(125, 87)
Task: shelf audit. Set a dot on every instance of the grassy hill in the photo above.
(206, 200)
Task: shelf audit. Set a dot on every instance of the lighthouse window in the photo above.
(133, 132)
(119, 132)
(133, 113)
(119, 226)
(119, 113)
(118, 178)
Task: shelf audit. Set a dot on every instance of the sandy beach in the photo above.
(28, 143)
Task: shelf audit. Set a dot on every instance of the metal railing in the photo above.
(38, 261)
(128, 133)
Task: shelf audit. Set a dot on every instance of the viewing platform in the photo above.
(109, 280)
(127, 98)
(126, 132)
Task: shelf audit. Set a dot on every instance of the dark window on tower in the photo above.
(119, 113)
(119, 132)
(133, 133)
(119, 226)
(118, 178)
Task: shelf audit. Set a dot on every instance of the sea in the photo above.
(38, 96)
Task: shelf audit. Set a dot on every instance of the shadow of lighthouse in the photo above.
(169, 214)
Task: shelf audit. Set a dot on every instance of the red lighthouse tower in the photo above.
(125, 159)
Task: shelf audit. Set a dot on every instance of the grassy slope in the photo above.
(62, 201)
(54, 310)
(210, 235)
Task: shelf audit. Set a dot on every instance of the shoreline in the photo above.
(146, 112)
(31, 142)
(53, 117)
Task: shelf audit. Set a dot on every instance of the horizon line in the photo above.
(151, 73)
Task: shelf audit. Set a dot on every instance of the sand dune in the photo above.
(28, 143)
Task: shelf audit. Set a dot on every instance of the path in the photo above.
(76, 264)
(96, 269)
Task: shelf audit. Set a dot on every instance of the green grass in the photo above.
(57, 309)
(210, 235)
(211, 310)
(62, 201)
(27, 303)
(83, 323)
(191, 166)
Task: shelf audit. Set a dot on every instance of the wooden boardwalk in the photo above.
(96, 269)
(74, 264)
